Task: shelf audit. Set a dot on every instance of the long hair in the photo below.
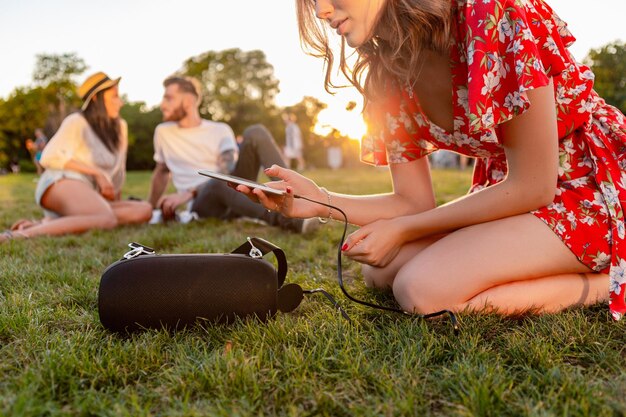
(409, 27)
(107, 129)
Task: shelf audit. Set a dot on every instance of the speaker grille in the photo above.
(174, 291)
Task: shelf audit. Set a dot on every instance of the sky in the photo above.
(144, 41)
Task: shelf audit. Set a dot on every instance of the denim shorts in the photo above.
(51, 177)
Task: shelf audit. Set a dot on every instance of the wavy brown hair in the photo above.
(107, 129)
(409, 27)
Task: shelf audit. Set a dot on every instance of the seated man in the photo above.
(186, 143)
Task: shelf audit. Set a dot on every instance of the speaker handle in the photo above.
(266, 247)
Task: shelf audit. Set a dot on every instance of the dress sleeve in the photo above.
(63, 145)
(511, 46)
(393, 131)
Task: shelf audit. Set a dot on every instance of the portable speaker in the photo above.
(146, 290)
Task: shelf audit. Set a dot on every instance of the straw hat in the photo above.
(94, 84)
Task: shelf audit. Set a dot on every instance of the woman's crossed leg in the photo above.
(509, 265)
(82, 208)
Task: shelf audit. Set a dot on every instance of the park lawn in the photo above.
(56, 359)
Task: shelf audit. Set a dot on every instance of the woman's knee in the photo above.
(374, 277)
(142, 212)
(106, 221)
(132, 212)
(416, 291)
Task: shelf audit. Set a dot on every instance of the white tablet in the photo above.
(236, 180)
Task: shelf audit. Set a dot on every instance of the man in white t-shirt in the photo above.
(186, 143)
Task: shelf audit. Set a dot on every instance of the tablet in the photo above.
(236, 180)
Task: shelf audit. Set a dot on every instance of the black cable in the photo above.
(332, 300)
(453, 319)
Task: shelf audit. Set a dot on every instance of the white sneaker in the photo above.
(157, 217)
(246, 219)
(186, 216)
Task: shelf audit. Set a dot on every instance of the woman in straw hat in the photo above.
(85, 166)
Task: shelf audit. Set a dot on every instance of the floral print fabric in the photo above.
(502, 49)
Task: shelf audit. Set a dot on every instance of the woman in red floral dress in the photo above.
(543, 224)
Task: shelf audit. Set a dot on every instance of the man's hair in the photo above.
(410, 26)
(185, 84)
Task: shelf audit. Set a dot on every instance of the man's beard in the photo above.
(177, 115)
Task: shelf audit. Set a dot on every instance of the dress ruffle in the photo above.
(390, 121)
(509, 53)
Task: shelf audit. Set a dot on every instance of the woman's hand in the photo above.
(293, 184)
(377, 243)
(105, 186)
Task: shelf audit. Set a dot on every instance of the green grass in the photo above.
(56, 359)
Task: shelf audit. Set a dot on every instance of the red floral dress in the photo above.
(501, 49)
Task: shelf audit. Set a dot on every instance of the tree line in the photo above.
(239, 88)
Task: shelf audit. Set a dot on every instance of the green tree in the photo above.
(609, 65)
(239, 87)
(23, 111)
(141, 124)
(57, 74)
(306, 112)
(45, 104)
(58, 69)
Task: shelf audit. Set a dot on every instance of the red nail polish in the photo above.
(289, 190)
(344, 247)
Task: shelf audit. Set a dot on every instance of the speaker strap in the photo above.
(266, 247)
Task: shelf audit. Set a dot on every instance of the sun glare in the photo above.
(344, 115)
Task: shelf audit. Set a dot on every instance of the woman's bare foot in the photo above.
(24, 224)
(9, 235)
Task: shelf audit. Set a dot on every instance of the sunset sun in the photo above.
(343, 114)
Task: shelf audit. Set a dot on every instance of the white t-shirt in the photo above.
(186, 150)
(76, 140)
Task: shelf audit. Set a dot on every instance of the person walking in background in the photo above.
(32, 150)
(85, 168)
(39, 144)
(185, 143)
(543, 225)
(35, 148)
(293, 142)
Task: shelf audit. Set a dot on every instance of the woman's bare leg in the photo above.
(80, 206)
(553, 293)
(510, 265)
(131, 212)
(382, 278)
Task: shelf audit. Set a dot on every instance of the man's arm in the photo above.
(160, 178)
(227, 161)
(168, 203)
